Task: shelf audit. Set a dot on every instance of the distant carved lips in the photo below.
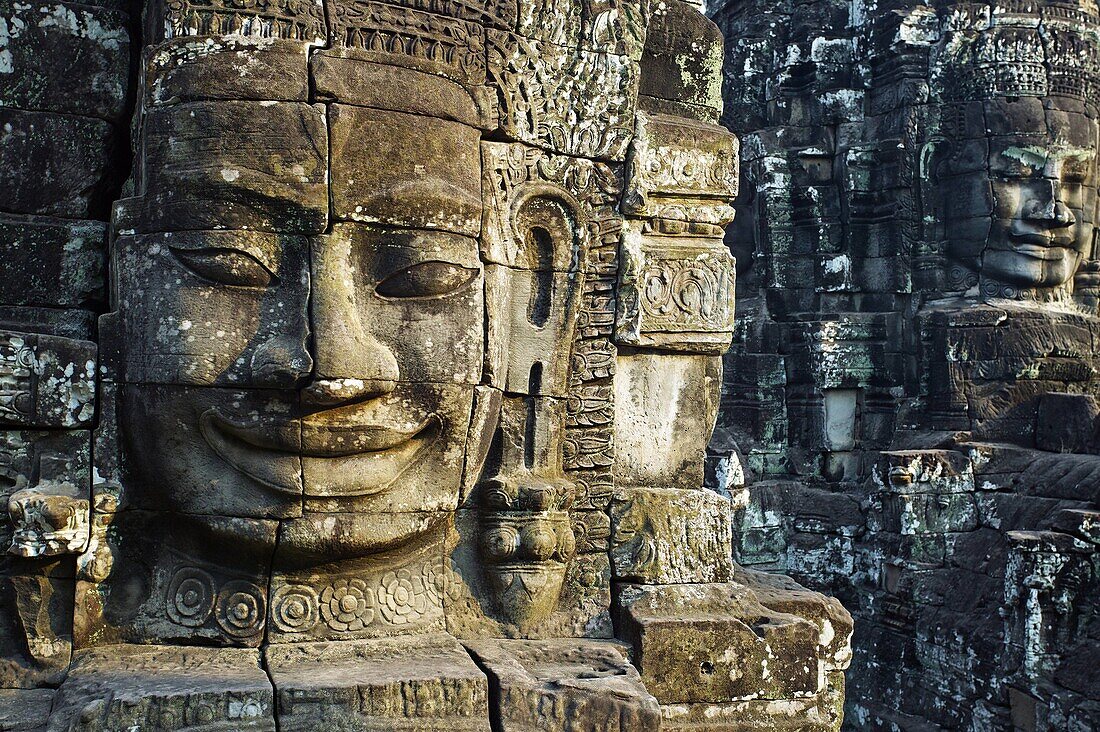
(338, 457)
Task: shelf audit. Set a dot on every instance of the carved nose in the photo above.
(281, 363)
(328, 392)
(1050, 210)
(351, 362)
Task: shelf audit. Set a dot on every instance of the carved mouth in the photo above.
(329, 452)
(1040, 246)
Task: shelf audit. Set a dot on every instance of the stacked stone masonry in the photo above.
(358, 360)
(909, 409)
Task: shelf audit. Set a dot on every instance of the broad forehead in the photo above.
(1050, 124)
(409, 157)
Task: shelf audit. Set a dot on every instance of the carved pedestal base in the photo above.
(568, 685)
(408, 684)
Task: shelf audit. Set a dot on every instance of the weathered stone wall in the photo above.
(908, 414)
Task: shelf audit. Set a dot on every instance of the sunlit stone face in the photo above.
(324, 379)
(1020, 203)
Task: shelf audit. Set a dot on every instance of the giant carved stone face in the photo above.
(327, 380)
(1020, 199)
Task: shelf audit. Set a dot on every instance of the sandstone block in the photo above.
(668, 536)
(164, 688)
(419, 684)
(665, 409)
(54, 48)
(55, 164)
(235, 165)
(52, 262)
(25, 710)
(566, 685)
(432, 175)
(46, 381)
(238, 68)
(716, 642)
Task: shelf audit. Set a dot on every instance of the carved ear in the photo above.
(545, 226)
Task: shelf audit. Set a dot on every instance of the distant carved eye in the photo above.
(226, 266)
(427, 279)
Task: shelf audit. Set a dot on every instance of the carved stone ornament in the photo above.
(357, 361)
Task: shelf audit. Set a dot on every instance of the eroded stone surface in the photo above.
(566, 685)
(422, 683)
(405, 329)
(163, 687)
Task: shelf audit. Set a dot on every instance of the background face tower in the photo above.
(919, 198)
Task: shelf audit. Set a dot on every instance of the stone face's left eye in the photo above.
(425, 280)
(225, 266)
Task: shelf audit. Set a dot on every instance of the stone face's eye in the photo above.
(426, 279)
(225, 266)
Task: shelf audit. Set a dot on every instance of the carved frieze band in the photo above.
(675, 293)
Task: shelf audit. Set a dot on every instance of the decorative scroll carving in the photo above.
(296, 20)
(439, 44)
(570, 101)
(675, 293)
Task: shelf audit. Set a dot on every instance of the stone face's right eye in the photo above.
(426, 280)
(225, 266)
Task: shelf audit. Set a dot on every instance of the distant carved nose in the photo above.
(1049, 208)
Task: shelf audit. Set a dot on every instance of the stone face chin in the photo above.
(364, 382)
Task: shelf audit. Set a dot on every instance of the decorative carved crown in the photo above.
(1021, 49)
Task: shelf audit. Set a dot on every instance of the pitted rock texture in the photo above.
(908, 416)
(358, 360)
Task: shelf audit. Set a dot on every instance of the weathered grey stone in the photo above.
(665, 410)
(266, 169)
(170, 577)
(55, 164)
(477, 604)
(52, 262)
(25, 710)
(716, 642)
(431, 180)
(188, 69)
(570, 101)
(413, 683)
(164, 688)
(565, 685)
(675, 294)
(46, 381)
(52, 49)
(352, 80)
(823, 712)
(916, 341)
(668, 536)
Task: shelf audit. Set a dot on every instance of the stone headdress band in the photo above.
(1020, 49)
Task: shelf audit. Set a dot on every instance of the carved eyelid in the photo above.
(267, 257)
(462, 276)
(189, 257)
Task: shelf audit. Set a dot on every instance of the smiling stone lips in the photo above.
(360, 459)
